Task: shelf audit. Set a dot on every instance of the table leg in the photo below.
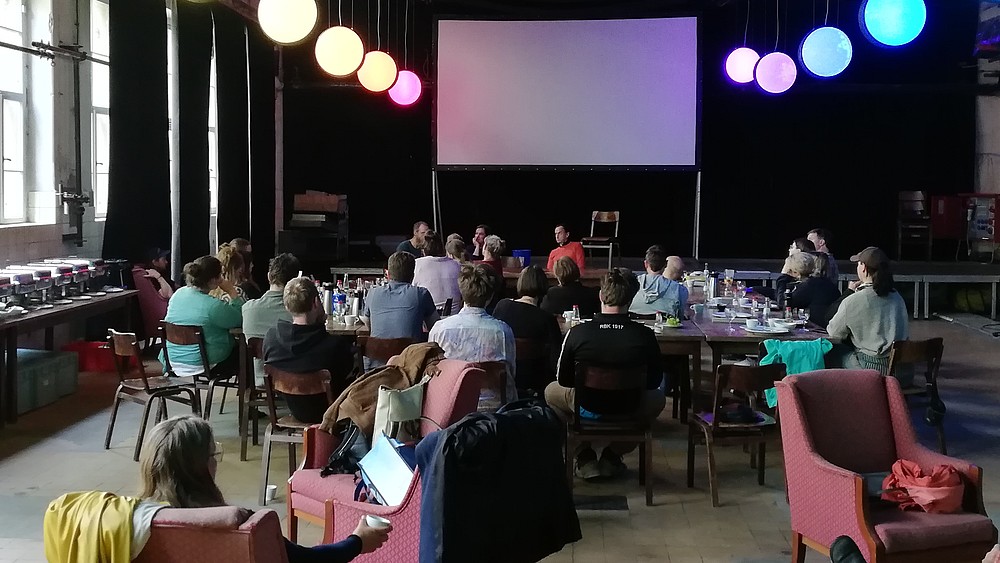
(10, 385)
(49, 337)
(3, 378)
(242, 385)
(694, 384)
(916, 300)
(927, 299)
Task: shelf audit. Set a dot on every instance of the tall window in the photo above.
(13, 198)
(100, 48)
(213, 141)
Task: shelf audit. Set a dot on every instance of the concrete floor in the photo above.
(59, 448)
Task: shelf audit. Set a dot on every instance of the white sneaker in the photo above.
(588, 470)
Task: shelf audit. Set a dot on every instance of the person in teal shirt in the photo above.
(192, 305)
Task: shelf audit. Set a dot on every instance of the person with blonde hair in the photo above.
(493, 248)
(570, 291)
(455, 249)
(233, 270)
(177, 468)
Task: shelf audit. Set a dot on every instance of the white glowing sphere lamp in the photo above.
(339, 51)
(378, 71)
(287, 21)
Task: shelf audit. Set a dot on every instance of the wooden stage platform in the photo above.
(920, 274)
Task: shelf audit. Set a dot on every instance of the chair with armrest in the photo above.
(329, 501)
(603, 233)
(220, 534)
(379, 350)
(143, 389)
(287, 429)
(827, 449)
(189, 335)
(929, 353)
(748, 384)
(622, 428)
(495, 380)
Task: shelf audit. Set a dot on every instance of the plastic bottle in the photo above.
(576, 313)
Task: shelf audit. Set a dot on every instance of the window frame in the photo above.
(95, 111)
(22, 99)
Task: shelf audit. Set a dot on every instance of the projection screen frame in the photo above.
(696, 167)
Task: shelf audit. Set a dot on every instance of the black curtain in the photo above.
(234, 149)
(194, 54)
(262, 59)
(139, 184)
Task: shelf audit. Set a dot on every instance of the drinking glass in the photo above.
(741, 289)
(731, 316)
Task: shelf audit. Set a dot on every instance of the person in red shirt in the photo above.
(566, 248)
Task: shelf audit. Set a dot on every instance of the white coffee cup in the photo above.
(773, 323)
(270, 492)
(376, 522)
(753, 323)
(350, 320)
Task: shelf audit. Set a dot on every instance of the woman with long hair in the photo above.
(233, 270)
(177, 469)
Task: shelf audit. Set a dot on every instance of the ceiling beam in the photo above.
(245, 8)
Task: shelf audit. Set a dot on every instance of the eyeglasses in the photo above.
(219, 452)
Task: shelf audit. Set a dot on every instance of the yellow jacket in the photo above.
(89, 527)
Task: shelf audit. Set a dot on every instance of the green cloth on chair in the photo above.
(799, 356)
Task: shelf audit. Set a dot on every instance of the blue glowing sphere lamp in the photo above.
(740, 64)
(892, 23)
(826, 52)
(775, 73)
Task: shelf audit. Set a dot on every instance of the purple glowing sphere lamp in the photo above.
(407, 88)
(775, 73)
(740, 64)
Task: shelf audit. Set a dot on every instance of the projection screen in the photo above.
(567, 93)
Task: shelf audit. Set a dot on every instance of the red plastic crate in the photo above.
(94, 356)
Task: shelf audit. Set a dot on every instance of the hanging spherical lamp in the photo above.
(339, 51)
(892, 23)
(740, 64)
(378, 71)
(826, 52)
(775, 73)
(407, 88)
(287, 21)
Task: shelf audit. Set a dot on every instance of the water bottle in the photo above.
(576, 313)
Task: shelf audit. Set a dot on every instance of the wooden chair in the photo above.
(187, 335)
(143, 390)
(381, 349)
(710, 428)
(254, 398)
(927, 352)
(287, 429)
(533, 372)
(624, 428)
(446, 310)
(601, 237)
(495, 380)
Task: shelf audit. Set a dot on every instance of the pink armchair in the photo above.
(214, 535)
(329, 501)
(838, 424)
(152, 305)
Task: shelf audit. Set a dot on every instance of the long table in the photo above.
(47, 319)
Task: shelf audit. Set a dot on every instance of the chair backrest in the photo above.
(125, 350)
(446, 310)
(495, 379)
(152, 306)
(288, 383)
(220, 534)
(183, 335)
(927, 352)
(255, 347)
(845, 415)
(590, 379)
(530, 349)
(746, 382)
(451, 394)
(381, 349)
(913, 204)
(604, 217)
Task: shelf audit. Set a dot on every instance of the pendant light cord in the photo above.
(406, 29)
(826, 18)
(378, 26)
(777, 23)
(746, 28)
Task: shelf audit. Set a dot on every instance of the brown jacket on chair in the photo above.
(358, 401)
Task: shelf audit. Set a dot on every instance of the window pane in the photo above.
(11, 15)
(102, 142)
(13, 136)
(11, 63)
(101, 194)
(13, 195)
(100, 19)
(101, 86)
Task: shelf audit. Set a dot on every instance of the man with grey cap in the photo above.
(870, 320)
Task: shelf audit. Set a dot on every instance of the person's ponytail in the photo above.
(882, 280)
(201, 271)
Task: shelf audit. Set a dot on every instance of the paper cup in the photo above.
(269, 494)
(376, 522)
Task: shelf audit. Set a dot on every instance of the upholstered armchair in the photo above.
(214, 535)
(837, 425)
(329, 501)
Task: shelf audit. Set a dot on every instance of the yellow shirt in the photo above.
(89, 527)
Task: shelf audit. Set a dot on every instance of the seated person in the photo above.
(610, 340)
(814, 291)
(232, 270)
(570, 291)
(241, 245)
(303, 346)
(177, 469)
(260, 315)
(820, 239)
(192, 305)
(526, 320)
(675, 269)
(566, 248)
(456, 249)
(475, 251)
(158, 272)
(871, 319)
(437, 273)
(399, 309)
(801, 244)
(248, 286)
(492, 249)
(657, 294)
(412, 244)
(473, 335)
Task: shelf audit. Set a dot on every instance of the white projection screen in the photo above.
(567, 93)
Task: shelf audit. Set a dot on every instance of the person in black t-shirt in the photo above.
(303, 345)
(611, 339)
(528, 321)
(570, 291)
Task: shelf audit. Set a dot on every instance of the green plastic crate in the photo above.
(44, 376)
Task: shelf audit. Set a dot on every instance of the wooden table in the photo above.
(46, 319)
